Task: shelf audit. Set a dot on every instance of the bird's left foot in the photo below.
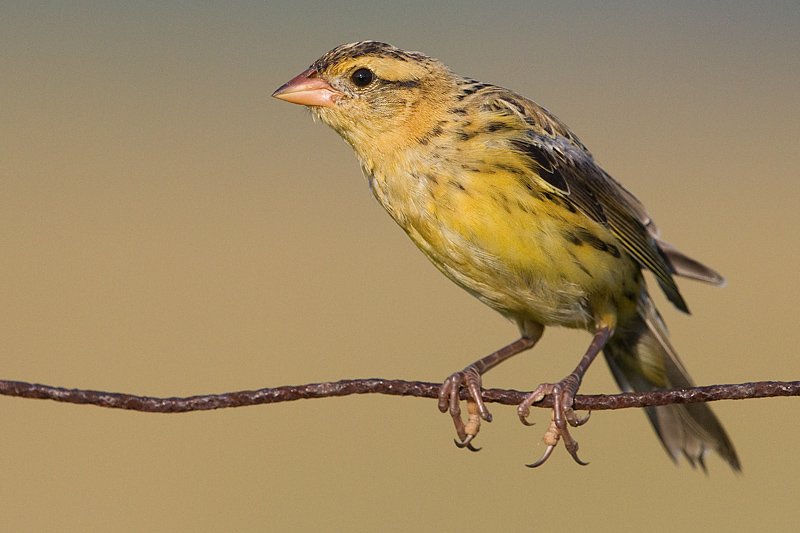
(563, 416)
(563, 395)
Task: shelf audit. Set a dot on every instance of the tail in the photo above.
(642, 359)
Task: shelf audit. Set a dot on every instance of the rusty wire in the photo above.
(599, 402)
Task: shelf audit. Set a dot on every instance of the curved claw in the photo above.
(467, 443)
(582, 421)
(577, 459)
(525, 421)
(544, 457)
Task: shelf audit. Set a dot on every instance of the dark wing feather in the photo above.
(570, 170)
(681, 264)
(596, 194)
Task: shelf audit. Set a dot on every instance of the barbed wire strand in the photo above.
(347, 387)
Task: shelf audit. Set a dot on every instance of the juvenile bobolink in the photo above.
(509, 204)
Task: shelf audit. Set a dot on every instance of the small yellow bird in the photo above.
(509, 204)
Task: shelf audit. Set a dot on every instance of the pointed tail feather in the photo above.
(642, 359)
(685, 266)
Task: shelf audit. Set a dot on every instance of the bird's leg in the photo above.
(563, 394)
(470, 378)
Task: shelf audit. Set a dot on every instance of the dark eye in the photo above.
(362, 77)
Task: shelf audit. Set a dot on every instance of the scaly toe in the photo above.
(562, 417)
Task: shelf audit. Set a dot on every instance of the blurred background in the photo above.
(168, 229)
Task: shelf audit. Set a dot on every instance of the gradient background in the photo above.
(167, 228)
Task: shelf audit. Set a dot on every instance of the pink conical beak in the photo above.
(308, 89)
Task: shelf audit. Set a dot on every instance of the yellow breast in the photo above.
(527, 253)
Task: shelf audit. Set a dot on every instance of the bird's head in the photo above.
(376, 96)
